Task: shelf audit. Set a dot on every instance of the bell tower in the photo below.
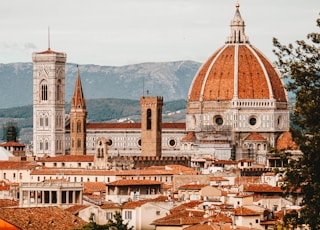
(151, 123)
(78, 118)
(49, 103)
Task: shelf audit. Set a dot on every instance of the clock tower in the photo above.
(49, 103)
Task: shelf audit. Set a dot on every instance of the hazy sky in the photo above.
(121, 32)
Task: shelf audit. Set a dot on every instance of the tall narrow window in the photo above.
(148, 119)
(159, 120)
(78, 126)
(58, 90)
(41, 145)
(41, 121)
(46, 121)
(78, 143)
(46, 145)
(44, 92)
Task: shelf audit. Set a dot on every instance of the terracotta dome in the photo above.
(237, 70)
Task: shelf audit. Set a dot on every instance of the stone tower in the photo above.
(49, 103)
(151, 122)
(78, 118)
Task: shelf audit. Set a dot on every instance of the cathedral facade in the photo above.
(237, 108)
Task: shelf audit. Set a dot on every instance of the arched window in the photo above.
(46, 145)
(44, 91)
(78, 126)
(46, 121)
(78, 143)
(58, 90)
(41, 121)
(149, 119)
(41, 145)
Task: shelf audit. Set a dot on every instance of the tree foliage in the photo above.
(300, 64)
(113, 224)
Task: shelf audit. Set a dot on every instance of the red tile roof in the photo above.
(17, 165)
(12, 144)
(187, 205)
(255, 137)
(192, 186)
(8, 203)
(217, 178)
(185, 217)
(285, 141)
(122, 125)
(110, 206)
(135, 204)
(133, 182)
(262, 188)
(68, 158)
(91, 187)
(76, 208)
(242, 211)
(41, 218)
(189, 137)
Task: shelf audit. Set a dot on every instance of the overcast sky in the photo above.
(122, 32)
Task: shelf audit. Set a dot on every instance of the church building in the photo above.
(237, 108)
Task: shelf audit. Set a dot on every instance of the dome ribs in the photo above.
(279, 93)
(220, 81)
(196, 86)
(252, 83)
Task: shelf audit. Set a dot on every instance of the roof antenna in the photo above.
(48, 38)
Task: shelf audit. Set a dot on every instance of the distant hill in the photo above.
(99, 110)
(168, 79)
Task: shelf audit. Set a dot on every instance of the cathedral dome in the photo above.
(237, 71)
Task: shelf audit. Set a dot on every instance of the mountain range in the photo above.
(168, 79)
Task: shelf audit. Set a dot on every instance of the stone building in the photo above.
(237, 107)
(49, 103)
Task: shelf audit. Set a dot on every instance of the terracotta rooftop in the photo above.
(242, 211)
(17, 165)
(285, 141)
(91, 187)
(110, 206)
(193, 186)
(187, 205)
(12, 144)
(41, 218)
(184, 217)
(48, 51)
(76, 208)
(218, 178)
(262, 188)
(68, 158)
(8, 203)
(225, 162)
(247, 180)
(122, 125)
(135, 204)
(255, 137)
(134, 182)
(189, 137)
(165, 170)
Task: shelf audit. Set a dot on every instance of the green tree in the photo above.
(117, 223)
(300, 64)
(10, 132)
(114, 224)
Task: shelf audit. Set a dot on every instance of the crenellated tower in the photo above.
(151, 122)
